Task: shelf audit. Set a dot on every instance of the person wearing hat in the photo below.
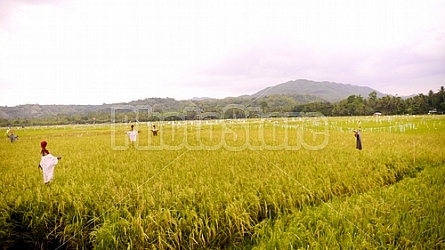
(47, 163)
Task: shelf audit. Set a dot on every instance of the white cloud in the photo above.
(110, 51)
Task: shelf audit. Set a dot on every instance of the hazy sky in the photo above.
(94, 52)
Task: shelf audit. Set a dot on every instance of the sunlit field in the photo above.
(282, 183)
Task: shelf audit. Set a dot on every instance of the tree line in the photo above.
(356, 105)
(273, 105)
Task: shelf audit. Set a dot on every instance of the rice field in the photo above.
(275, 183)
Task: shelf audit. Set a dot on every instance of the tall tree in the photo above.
(372, 100)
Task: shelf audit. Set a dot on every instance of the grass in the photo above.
(234, 184)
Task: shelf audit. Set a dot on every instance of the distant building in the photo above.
(431, 112)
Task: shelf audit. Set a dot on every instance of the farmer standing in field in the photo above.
(133, 135)
(358, 137)
(47, 163)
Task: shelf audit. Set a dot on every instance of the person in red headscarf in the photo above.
(47, 163)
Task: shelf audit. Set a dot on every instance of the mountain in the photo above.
(282, 95)
(329, 91)
(38, 111)
(201, 98)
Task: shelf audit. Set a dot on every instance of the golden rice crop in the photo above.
(220, 184)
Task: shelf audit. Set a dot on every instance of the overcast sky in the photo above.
(94, 52)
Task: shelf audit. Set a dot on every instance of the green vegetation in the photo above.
(229, 184)
(275, 102)
(355, 105)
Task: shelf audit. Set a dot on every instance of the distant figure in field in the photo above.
(133, 134)
(47, 163)
(154, 131)
(12, 137)
(358, 137)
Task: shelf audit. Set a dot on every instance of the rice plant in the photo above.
(248, 183)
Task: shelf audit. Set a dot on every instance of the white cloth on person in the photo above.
(132, 134)
(48, 163)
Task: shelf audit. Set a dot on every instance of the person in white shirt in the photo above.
(133, 134)
(47, 163)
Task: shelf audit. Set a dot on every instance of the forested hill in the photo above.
(101, 113)
(42, 111)
(277, 97)
(275, 102)
(329, 91)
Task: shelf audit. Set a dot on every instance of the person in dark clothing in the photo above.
(154, 131)
(358, 137)
(12, 136)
